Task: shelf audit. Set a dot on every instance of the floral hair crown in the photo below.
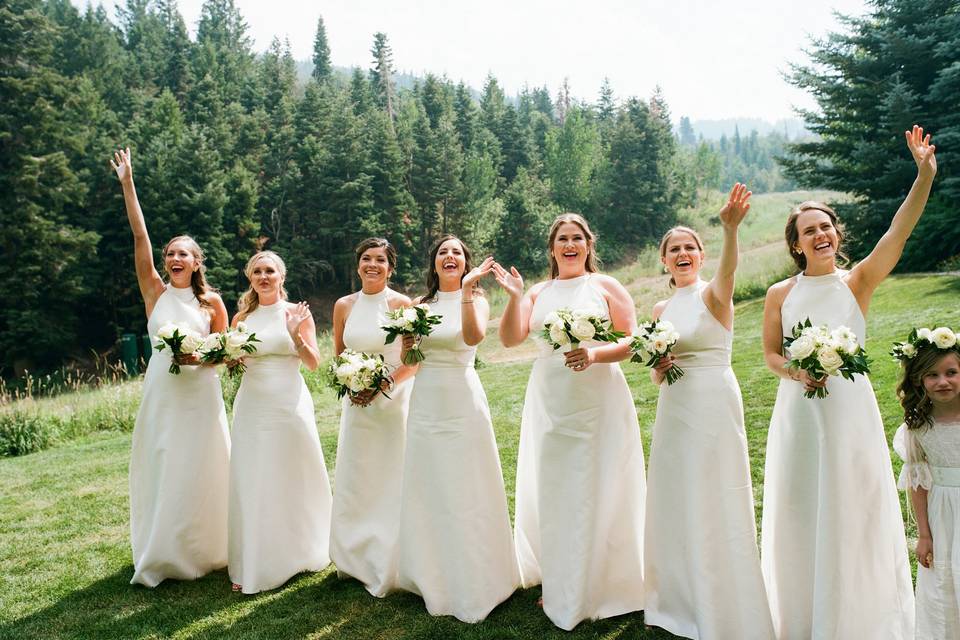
(943, 338)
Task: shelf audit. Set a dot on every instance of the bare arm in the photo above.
(150, 282)
(719, 293)
(341, 309)
(918, 498)
(303, 331)
(404, 371)
(474, 309)
(515, 321)
(773, 337)
(871, 271)
(218, 320)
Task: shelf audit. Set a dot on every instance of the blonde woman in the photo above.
(279, 491)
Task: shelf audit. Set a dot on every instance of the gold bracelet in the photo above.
(470, 301)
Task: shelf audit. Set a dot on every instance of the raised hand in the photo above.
(296, 316)
(470, 279)
(922, 151)
(737, 206)
(122, 165)
(511, 281)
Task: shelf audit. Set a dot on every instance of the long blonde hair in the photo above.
(249, 301)
(592, 264)
(198, 279)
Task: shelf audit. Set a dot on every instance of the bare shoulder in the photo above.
(417, 300)
(659, 307)
(345, 303)
(395, 299)
(777, 292)
(608, 283)
(536, 289)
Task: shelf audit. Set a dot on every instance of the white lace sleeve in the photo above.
(916, 470)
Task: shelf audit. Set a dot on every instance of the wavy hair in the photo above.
(592, 264)
(433, 278)
(249, 301)
(792, 234)
(917, 406)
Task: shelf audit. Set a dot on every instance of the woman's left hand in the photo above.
(737, 206)
(296, 316)
(579, 359)
(924, 153)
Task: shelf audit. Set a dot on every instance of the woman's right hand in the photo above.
(187, 358)
(512, 281)
(660, 369)
(407, 343)
(809, 382)
(925, 551)
(122, 165)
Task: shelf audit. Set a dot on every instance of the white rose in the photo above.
(235, 340)
(908, 350)
(356, 384)
(925, 334)
(211, 342)
(801, 347)
(830, 360)
(191, 342)
(559, 336)
(241, 327)
(659, 346)
(551, 319)
(673, 337)
(583, 329)
(345, 371)
(166, 331)
(665, 326)
(424, 306)
(943, 337)
(410, 315)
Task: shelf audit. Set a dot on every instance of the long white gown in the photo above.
(456, 550)
(279, 516)
(833, 549)
(580, 484)
(932, 461)
(179, 462)
(701, 561)
(366, 499)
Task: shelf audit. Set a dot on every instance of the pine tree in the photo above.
(381, 76)
(322, 70)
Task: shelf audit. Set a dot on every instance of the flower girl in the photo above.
(929, 443)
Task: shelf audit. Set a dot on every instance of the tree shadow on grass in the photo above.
(319, 605)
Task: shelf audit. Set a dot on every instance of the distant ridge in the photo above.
(713, 129)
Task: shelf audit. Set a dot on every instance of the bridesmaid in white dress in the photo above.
(366, 499)
(456, 550)
(701, 561)
(279, 519)
(580, 485)
(179, 462)
(929, 443)
(834, 554)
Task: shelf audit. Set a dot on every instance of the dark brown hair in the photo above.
(198, 279)
(375, 243)
(666, 238)
(917, 406)
(592, 264)
(792, 234)
(433, 278)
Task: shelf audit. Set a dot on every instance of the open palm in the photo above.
(924, 153)
(737, 206)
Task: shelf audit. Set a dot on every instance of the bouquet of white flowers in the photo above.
(653, 341)
(229, 346)
(822, 352)
(180, 340)
(414, 321)
(942, 337)
(566, 327)
(352, 372)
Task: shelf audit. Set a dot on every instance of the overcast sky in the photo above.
(713, 59)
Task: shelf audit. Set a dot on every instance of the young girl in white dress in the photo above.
(701, 561)
(833, 550)
(580, 483)
(929, 443)
(456, 550)
(279, 518)
(179, 461)
(366, 500)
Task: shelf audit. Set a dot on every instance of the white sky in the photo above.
(713, 59)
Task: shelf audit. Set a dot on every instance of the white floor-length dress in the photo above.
(365, 531)
(456, 548)
(179, 462)
(279, 491)
(580, 483)
(701, 561)
(935, 466)
(833, 549)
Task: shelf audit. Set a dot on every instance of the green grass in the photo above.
(64, 538)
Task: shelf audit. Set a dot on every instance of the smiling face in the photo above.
(942, 380)
(817, 237)
(450, 261)
(265, 277)
(683, 256)
(180, 262)
(570, 248)
(374, 268)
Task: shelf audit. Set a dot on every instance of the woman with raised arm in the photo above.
(279, 490)
(366, 504)
(580, 485)
(834, 554)
(701, 562)
(456, 550)
(179, 460)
